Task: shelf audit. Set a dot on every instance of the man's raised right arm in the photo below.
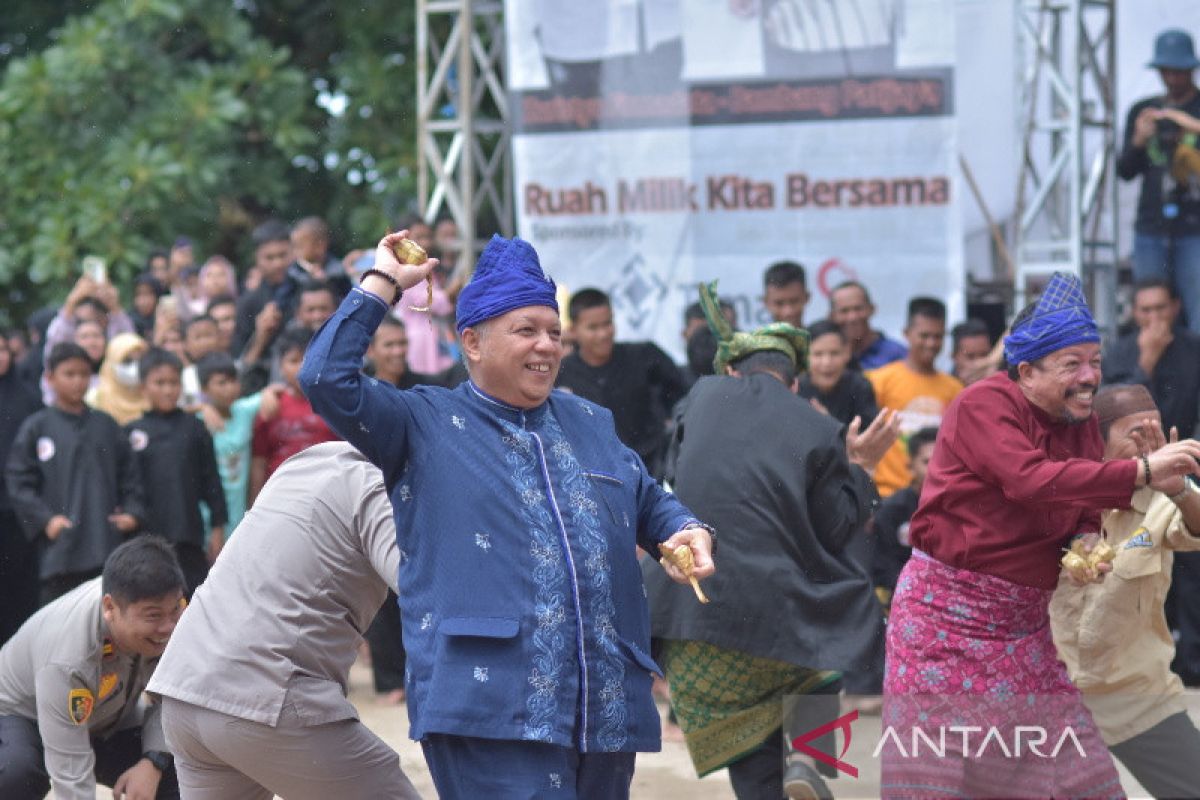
(368, 414)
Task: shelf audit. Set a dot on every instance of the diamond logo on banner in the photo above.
(638, 292)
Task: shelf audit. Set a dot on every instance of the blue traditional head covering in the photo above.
(1060, 319)
(508, 275)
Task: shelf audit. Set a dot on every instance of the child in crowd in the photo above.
(230, 421)
(829, 384)
(179, 470)
(223, 310)
(892, 546)
(296, 426)
(146, 292)
(200, 337)
(72, 479)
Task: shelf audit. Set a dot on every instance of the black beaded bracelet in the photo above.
(395, 283)
(1146, 463)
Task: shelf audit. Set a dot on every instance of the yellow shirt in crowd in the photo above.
(921, 401)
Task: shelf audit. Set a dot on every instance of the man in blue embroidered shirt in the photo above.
(517, 512)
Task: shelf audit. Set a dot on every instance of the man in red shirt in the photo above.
(1015, 474)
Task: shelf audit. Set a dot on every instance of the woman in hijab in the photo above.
(118, 393)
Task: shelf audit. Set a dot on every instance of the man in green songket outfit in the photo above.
(786, 487)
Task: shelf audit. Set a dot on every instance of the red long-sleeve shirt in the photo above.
(1009, 484)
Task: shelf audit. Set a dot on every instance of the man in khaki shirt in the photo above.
(254, 680)
(1113, 635)
(71, 681)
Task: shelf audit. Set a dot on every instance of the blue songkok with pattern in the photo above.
(508, 275)
(1060, 319)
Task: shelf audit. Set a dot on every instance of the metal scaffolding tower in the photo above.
(462, 120)
(1066, 208)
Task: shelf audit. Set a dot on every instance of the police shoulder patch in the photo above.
(79, 705)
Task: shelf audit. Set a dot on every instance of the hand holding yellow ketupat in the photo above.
(682, 558)
(1083, 565)
(409, 252)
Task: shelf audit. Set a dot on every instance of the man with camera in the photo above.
(1167, 156)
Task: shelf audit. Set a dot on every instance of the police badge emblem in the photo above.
(79, 705)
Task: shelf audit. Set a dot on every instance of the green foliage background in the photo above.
(125, 123)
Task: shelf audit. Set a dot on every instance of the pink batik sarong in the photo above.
(972, 680)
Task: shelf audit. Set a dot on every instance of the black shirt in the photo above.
(174, 452)
(852, 396)
(17, 402)
(770, 473)
(890, 526)
(1175, 384)
(1159, 189)
(639, 385)
(78, 465)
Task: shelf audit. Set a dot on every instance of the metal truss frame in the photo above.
(1066, 200)
(463, 135)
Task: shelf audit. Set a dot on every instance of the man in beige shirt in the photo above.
(254, 680)
(71, 681)
(1113, 635)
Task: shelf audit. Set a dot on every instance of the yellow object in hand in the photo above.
(1084, 565)
(682, 558)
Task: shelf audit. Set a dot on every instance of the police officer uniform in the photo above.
(71, 706)
(255, 676)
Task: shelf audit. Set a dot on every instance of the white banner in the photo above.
(659, 160)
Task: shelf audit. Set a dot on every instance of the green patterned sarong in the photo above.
(729, 702)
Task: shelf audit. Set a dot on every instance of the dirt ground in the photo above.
(660, 776)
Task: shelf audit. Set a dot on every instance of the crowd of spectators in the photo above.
(168, 410)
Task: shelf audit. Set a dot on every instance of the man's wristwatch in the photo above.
(712, 533)
(161, 760)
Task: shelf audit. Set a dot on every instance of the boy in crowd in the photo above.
(890, 525)
(230, 421)
(72, 479)
(785, 292)
(314, 263)
(223, 310)
(296, 426)
(264, 311)
(636, 381)
(971, 350)
(179, 470)
(829, 383)
(200, 337)
(72, 679)
(914, 387)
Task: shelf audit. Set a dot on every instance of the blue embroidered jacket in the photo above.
(523, 606)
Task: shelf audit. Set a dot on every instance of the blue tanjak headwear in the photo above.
(508, 275)
(1060, 319)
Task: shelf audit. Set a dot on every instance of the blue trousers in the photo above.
(1176, 258)
(467, 767)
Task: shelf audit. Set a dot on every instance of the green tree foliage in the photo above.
(140, 120)
(360, 58)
